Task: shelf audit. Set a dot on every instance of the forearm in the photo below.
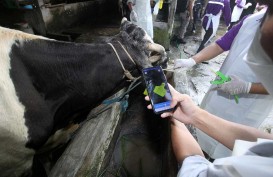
(224, 131)
(208, 53)
(257, 88)
(183, 142)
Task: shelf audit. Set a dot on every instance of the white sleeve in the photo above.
(194, 166)
(256, 162)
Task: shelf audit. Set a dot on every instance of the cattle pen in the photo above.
(110, 143)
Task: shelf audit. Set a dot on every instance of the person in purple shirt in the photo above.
(211, 19)
(237, 11)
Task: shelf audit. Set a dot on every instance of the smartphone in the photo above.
(157, 88)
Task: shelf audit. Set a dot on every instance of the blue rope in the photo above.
(123, 98)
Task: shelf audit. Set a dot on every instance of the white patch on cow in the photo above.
(10, 34)
(14, 157)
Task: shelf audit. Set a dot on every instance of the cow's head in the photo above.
(138, 40)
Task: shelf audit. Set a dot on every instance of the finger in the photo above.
(233, 77)
(149, 106)
(147, 98)
(214, 87)
(171, 87)
(167, 114)
(173, 103)
(220, 88)
(173, 91)
(179, 98)
(223, 86)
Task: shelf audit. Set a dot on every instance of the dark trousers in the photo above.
(205, 39)
(196, 15)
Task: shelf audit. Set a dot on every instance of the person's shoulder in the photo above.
(245, 165)
(257, 15)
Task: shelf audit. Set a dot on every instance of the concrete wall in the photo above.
(163, 23)
(59, 17)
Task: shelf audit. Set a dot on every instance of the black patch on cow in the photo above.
(134, 34)
(60, 82)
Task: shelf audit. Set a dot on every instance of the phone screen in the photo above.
(157, 88)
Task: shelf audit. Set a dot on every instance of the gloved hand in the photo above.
(235, 86)
(184, 63)
(133, 16)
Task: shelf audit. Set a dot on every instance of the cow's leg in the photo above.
(38, 168)
(60, 137)
(45, 158)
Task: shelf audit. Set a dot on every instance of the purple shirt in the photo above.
(239, 4)
(225, 41)
(214, 7)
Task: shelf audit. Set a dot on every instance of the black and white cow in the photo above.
(46, 84)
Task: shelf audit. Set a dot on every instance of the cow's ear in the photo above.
(124, 19)
(124, 24)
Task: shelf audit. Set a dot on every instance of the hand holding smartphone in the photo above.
(157, 88)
